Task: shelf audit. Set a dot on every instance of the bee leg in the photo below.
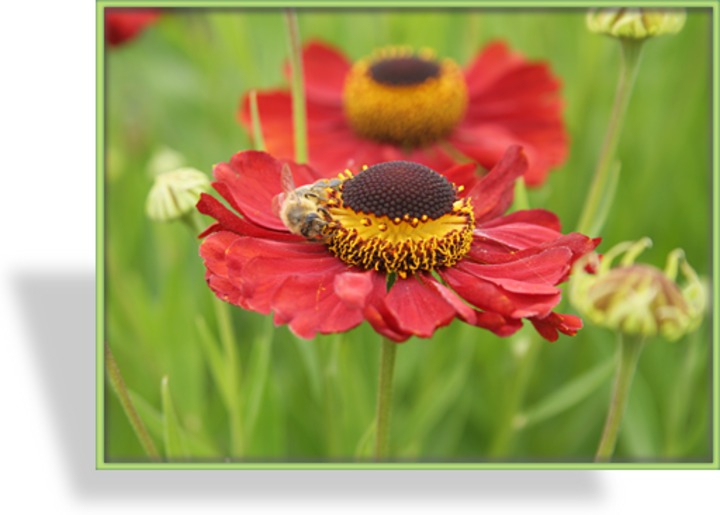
(325, 213)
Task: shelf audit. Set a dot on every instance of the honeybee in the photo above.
(301, 209)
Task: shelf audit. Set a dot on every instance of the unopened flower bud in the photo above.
(638, 298)
(165, 159)
(174, 194)
(635, 23)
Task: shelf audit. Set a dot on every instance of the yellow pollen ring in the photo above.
(411, 115)
(401, 246)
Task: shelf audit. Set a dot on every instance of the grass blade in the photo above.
(174, 443)
(568, 395)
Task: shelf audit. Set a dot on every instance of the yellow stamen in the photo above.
(415, 112)
(401, 246)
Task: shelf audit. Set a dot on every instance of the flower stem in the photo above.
(630, 348)
(227, 340)
(680, 401)
(526, 357)
(589, 220)
(384, 398)
(118, 386)
(297, 87)
(258, 139)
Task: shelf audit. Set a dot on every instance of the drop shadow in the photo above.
(59, 314)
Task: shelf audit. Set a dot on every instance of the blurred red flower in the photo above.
(406, 274)
(398, 104)
(123, 24)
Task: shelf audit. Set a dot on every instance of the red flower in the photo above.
(398, 105)
(123, 24)
(462, 260)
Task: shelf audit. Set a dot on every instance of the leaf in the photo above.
(640, 429)
(154, 422)
(257, 377)
(215, 360)
(364, 447)
(606, 200)
(174, 442)
(568, 395)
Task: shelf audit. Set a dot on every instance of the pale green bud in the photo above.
(165, 159)
(637, 298)
(174, 194)
(635, 23)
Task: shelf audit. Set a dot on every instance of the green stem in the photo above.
(515, 397)
(193, 222)
(297, 87)
(118, 386)
(384, 398)
(630, 348)
(258, 139)
(227, 340)
(676, 434)
(589, 222)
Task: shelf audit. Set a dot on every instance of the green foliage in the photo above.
(275, 398)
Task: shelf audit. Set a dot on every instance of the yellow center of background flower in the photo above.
(398, 217)
(404, 98)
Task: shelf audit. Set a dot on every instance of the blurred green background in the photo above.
(464, 395)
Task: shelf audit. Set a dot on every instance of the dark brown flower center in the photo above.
(400, 188)
(398, 217)
(403, 71)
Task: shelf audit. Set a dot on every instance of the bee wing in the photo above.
(288, 189)
(286, 179)
(277, 203)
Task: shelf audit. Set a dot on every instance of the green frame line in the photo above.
(715, 237)
(99, 235)
(403, 3)
(101, 5)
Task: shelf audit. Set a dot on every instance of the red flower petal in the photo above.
(213, 250)
(493, 195)
(540, 218)
(519, 288)
(574, 243)
(485, 143)
(275, 111)
(465, 174)
(333, 150)
(518, 230)
(229, 221)
(261, 268)
(498, 324)
(420, 308)
(494, 61)
(512, 102)
(250, 182)
(464, 312)
(353, 288)
(378, 314)
(325, 70)
(549, 326)
(295, 281)
(123, 24)
(537, 273)
(309, 305)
